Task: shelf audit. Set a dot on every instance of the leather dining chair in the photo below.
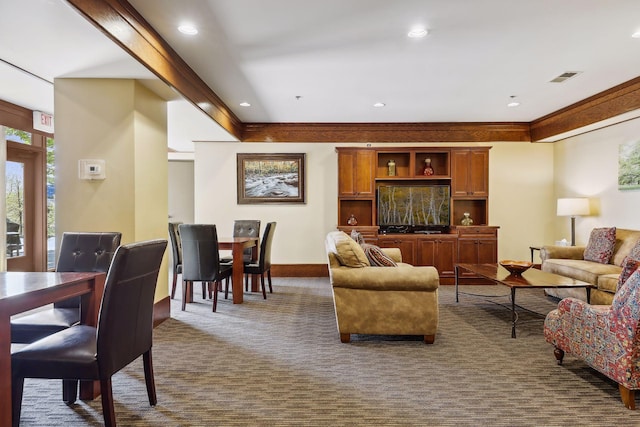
(176, 251)
(79, 251)
(245, 228)
(201, 261)
(123, 334)
(263, 265)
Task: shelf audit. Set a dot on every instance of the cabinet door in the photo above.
(407, 247)
(437, 252)
(445, 258)
(487, 251)
(470, 173)
(355, 173)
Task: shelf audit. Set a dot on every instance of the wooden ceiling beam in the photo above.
(119, 21)
(385, 132)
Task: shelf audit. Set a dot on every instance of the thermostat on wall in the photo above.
(91, 169)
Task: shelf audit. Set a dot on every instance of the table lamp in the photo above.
(573, 207)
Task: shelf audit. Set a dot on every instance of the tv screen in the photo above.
(413, 205)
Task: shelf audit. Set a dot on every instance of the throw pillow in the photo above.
(348, 252)
(357, 236)
(376, 257)
(628, 267)
(635, 252)
(601, 244)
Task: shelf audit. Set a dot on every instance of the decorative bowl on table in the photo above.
(516, 267)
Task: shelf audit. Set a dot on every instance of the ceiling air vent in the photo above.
(565, 76)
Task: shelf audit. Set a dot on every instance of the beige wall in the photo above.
(123, 123)
(587, 166)
(521, 189)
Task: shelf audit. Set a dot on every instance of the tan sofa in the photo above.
(568, 261)
(400, 300)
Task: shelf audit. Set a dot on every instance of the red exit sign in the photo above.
(43, 121)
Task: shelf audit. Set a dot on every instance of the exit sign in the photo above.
(43, 121)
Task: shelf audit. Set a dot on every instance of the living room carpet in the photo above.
(280, 362)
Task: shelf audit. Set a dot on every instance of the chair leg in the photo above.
(628, 397)
(215, 298)
(345, 338)
(246, 282)
(204, 290)
(108, 411)
(17, 385)
(429, 339)
(173, 287)
(185, 285)
(226, 288)
(210, 286)
(148, 378)
(264, 291)
(559, 354)
(269, 276)
(69, 391)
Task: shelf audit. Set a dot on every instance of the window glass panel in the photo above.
(16, 135)
(51, 205)
(15, 209)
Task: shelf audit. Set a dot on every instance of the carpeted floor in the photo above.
(280, 362)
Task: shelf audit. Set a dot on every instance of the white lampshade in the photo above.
(573, 207)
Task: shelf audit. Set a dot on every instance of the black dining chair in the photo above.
(245, 228)
(123, 334)
(79, 251)
(176, 251)
(201, 261)
(263, 265)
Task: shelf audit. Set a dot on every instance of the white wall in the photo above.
(521, 189)
(587, 166)
(181, 203)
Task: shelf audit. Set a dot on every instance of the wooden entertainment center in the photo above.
(361, 171)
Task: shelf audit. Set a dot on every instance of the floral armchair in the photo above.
(607, 338)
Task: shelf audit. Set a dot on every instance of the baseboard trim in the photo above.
(299, 270)
(161, 311)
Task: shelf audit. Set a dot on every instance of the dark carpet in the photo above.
(280, 362)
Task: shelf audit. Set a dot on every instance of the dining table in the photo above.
(237, 245)
(24, 291)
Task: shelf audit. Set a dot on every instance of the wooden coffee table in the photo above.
(532, 278)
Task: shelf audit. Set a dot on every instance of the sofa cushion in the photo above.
(585, 271)
(601, 244)
(630, 265)
(348, 251)
(376, 257)
(357, 236)
(626, 242)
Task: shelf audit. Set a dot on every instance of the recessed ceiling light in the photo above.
(245, 104)
(188, 29)
(513, 102)
(379, 104)
(636, 35)
(417, 33)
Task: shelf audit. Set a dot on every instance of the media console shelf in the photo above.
(464, 170)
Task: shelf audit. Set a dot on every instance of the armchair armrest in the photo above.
(561, 252)
(578, 308)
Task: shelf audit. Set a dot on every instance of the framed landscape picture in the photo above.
(629, 166)
(271, 178)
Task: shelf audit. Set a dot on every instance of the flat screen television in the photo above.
(411, 208)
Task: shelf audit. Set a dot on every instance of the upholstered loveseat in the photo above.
(397, 300)
(569, 261)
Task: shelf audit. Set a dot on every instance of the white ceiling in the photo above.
(341, 56)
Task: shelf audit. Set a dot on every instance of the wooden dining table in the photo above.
(237, 245)
(24, 291)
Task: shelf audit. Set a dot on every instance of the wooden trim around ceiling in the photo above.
(385, 132)
(119, 21)
(604, 105)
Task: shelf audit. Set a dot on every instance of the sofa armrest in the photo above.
(393, 253)
(561, 252)
(405, 277)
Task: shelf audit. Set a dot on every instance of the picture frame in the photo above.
(271, 178)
